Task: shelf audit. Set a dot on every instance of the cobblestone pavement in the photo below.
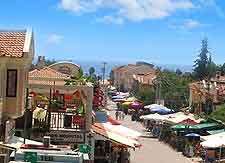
(152, 151)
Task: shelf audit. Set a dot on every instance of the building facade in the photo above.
(16, 55)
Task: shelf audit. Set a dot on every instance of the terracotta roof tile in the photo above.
(12, 43)
(48, 73)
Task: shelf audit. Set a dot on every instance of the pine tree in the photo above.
(204, 68)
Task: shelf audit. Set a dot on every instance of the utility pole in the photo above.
(103, 73)
(26, 116)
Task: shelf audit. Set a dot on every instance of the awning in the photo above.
(182, 126)
(105, 131)
(155, 116)
(17, 142)
(122, 130)
(180, 116)
(206, 125)
(113, 121)
(212, 137)
(212, 132)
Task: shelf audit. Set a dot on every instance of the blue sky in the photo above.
(159, 31)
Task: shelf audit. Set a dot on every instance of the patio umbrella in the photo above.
(136, 104)
(119, 100)
(161, 109)
(152, 106)
(117, 97)
(126, 103)
(192, 135)
(131, 99)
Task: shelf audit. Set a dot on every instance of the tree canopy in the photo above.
(204, 67)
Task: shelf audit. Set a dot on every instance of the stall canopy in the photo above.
(206, 125)
(158, 108)
(182, 126)
(212, 137)
(188, 121)
(17, 142)
(113, 121)
(214, 143)
(212, 132)
(108, 132)
(155, 116)
(180, 116)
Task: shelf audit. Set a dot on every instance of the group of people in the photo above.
(120, 115)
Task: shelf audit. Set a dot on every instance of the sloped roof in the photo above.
(49, 73)
(12, 43)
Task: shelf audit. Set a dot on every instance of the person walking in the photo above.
(123, 115)
(117, 115)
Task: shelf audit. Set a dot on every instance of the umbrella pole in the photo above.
(220, 153)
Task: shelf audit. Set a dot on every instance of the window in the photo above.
(11, 83)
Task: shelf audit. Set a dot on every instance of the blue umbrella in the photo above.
(161, 110)
(117, 97)
(192, 135)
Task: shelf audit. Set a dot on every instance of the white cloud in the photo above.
(188, 24)
(134, 10)
(110, 19)
(54, 38)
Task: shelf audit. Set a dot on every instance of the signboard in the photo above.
(84, 148)
(66, 137)
(30, 157)
(9, 130)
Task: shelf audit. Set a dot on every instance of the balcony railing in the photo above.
(65, 121)
(61, 120)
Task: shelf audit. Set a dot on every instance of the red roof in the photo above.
(12, 43)
(47, 72)
(47, 76)
(188, 121)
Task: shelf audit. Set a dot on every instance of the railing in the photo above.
(64, 120)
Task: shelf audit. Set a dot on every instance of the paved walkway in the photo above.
(152, 150)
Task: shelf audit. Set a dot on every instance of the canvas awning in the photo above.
(182, 126)
(212, 132)
(214, 143)
(155, 116)
(212, 137)
(180, 116)
(107, 132)
(17, 142)
(206, 125)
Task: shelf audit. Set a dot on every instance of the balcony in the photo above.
(67, 121)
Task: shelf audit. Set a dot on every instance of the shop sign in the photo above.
(66, 137)
(30, 157)
(84, 148)
(9, 130)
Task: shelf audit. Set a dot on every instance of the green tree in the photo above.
(200, 66)
(174, 88)
(204, 67)
(219, 113)
(91, 71)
